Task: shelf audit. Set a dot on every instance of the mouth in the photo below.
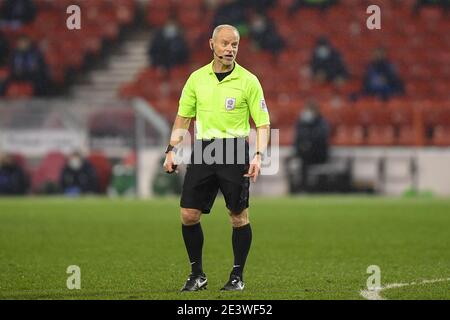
(229, 56)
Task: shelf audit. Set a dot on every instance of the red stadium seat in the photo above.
(17, 90)
(48, 171)
(348, 136)
(103, 169)
(4, 73)
(406, 136)
(441, 136)
(380, 135)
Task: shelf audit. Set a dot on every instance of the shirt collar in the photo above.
(233, 75)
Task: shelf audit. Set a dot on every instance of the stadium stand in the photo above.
(423, 62)
(45, 178)
(66, 51)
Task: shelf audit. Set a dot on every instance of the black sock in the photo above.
(242, 239)
(193, 239)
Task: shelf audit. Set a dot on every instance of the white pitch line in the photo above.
(376, 294)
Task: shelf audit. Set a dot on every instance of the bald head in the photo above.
(224, 44)
(224, 27)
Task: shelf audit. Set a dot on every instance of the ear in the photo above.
(211, 44)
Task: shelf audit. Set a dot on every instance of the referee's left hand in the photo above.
(255, 167)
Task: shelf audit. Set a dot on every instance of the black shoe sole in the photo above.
(223, 289)
(199, 289)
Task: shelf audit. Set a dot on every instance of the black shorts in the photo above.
(204, 179)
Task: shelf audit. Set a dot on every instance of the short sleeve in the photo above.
(257, 104)
(188, 102)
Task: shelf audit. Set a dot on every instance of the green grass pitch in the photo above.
(303, 248)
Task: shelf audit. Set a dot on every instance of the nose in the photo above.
(229, 48)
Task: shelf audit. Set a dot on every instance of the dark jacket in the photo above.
(13, 180)
(268, 39)
(19, 10)
(381, 79)
(4, 50)
(26, 65)
(83, 180)
(311, 140)
(230, 13)
(333, 65)
(168, 52)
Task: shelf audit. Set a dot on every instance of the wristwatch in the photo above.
(170, 148)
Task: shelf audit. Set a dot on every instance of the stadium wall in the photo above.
(388, 170)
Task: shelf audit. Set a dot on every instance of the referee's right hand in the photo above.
(169, 163)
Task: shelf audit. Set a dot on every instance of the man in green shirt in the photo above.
(221, 96)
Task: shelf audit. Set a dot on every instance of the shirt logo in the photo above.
(263, 105)
(230, 103)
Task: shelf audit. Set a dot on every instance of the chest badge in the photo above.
(230, 104)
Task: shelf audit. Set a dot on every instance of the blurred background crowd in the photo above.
(328, 79)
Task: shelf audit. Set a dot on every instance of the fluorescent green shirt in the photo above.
(222, 109)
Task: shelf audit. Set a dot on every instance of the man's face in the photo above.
(379, 55)
(6, 160)
(226, 44)
(23, 44)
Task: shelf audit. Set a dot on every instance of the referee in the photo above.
(221, 96)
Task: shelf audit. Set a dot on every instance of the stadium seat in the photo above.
(441, 136)
(103, 169)
(418, 59)
(380, 135)
(406, 136)
(46, 176)
(348, 136)
(20, 90)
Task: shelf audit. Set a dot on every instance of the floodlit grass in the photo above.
(303, 248)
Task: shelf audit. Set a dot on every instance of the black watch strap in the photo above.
(170, 148)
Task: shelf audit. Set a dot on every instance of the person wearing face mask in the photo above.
(13, 180)
(168, 48)
(444, 4)
(320, 4)
(264, 33)
(326, 63)
(78, 176)
(311, 140)
(381, 78)
(19, 11)
(231, 12)
(4, 55)
(28, 64)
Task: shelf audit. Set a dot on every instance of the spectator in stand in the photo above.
(311, 141)
(169, 48)
(326, 63)
(18, 11)
(381, 78)
(28, 64)
(445, 4)
(321, 4)
(4, 55)
(13, 180)
(4, 50)
(232, 12)
(260, 6)
(264, 33)
(78, 176)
